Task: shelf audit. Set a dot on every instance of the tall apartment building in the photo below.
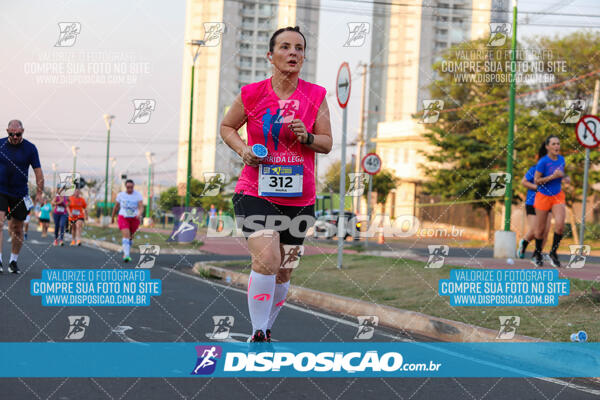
(221, 71)
(407, 39)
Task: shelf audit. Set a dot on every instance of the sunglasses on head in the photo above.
(18, 134)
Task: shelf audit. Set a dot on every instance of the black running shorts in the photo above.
(18, 210)
(530, 210)
(254, 214)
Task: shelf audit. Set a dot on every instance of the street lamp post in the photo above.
(149, 158)
(108, 121)
(74, 150)
(113, 162)
(511, 121)
(54, 177)
(505, 245)
(196, 44)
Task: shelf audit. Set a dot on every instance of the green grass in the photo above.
(113, 235)
(406, 284)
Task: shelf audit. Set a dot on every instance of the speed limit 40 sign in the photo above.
(371, 163)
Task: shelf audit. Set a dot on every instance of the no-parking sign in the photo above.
(587, 131)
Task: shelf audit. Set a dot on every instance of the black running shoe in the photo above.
(1, 269)
(554, 260)
(537, 259)
(12, 267)
(268, 338)
(258, 336)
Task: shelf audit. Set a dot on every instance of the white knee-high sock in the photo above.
(126, 247)
(279, 296)
(260, 298)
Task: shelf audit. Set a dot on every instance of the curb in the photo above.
(408, 321)
(115, 247)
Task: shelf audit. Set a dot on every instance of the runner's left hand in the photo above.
(297, 127)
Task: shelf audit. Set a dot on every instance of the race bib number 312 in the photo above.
(280, 180)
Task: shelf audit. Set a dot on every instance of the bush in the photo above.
(592, 231)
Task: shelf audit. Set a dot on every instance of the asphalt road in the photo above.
(184, 313)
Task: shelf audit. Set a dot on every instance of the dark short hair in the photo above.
(278, 31)
(129, 181)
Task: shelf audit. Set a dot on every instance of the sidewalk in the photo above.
(239, 247)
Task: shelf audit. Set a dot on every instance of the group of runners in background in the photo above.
(16, 206)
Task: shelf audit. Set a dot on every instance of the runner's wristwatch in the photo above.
(310, 138)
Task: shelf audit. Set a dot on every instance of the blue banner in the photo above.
(504, 287)
(95, 287)
(368, 359)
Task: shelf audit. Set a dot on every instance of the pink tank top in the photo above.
(268, 124)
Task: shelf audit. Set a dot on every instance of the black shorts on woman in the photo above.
(252, 215)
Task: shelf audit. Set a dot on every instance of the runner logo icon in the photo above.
(508, 326)
(148, 254)
(499, 32)
(357, 34)
(77, 326)
(358, 182)
(574, 110)
(142, 110)
(366, 326)
(207, 359)
(223, 324)
(431, 111)
(499, 180)
(578, 255)
(68, 34)
(437, 254)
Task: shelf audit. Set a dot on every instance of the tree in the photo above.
(471, 140)
(383, 183)
(92, 189)
(331, 182)
(170, 198)
(579, 50)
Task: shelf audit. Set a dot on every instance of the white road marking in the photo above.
(120, 332)
(345, 322)
(232, 335)
(571, 385)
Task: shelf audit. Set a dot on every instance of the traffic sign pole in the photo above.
(371, 164)
(585, 190)
(369, 210)
(587, 165)
(342, 90)
(342, 215)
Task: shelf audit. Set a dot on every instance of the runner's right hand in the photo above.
(249, 158)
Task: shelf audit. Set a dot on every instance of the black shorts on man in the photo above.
(291, 222)
(18, 210)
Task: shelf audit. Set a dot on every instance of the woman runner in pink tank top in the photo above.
(275, 195)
